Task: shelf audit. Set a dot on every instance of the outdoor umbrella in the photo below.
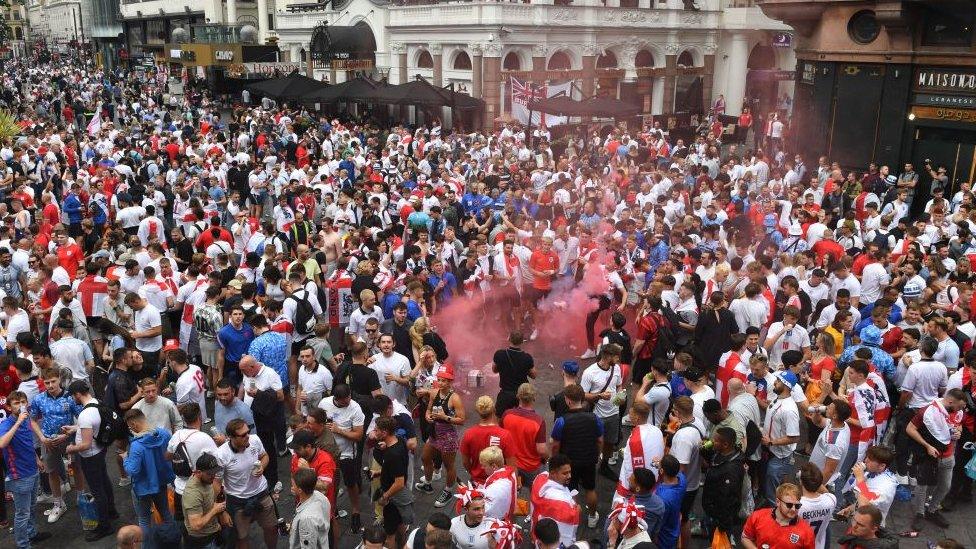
(292, 86)
(425, 94)
(562, 105)
(607, 107)
(357, 89)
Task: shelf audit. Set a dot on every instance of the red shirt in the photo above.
(763, 529)
(828, 247)
(527, 429)
(8, 383)
(52, 214)
(69, 257)
(172, 150)
(325, 468)
(542, 261)
(479, 437)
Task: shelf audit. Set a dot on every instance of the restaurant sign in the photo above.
(948, 80)
(950, 115)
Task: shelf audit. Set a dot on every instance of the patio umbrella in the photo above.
(357, 89)
(425, 94)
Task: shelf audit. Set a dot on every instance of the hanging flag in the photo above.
(95, 125)
(523, 94)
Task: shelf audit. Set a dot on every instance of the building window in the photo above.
(686, 59)
(462, 62)
(425, 61)
(512, 62)
(644, 59)
(629, 3)
(559, 61)
(607, 61)
(18, 33)
(863, 27)
(948, 23)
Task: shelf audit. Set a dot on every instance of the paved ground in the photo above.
(67, 531)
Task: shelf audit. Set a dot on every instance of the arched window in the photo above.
(19, 33)
(512, 62)
(644, 59)
(425, 61)
(607, 61)
(686, 59)
(559, 61)
(462, 62)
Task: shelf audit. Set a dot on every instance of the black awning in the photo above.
(343, 42)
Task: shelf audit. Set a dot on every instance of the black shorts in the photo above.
(642, 367)
(583, 476)
(351, 469)
(395, 516)
(687, 503)
(534, 295)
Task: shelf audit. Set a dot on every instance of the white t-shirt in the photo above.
(795, 339)
(685, 446)
(318, 382)
(73, 354)
(145, 319)
(925, 379)
(749, 312)
(345, 418)
(782, 420)
(466, 537)
(89, 418)
(16, 324)
(818, 512)
(190, 388)
(831, 444)
(594, 380)
(397, 365)
(265, 379)
(659, 399)
(699, 399)
(197, 443)
(239, 466)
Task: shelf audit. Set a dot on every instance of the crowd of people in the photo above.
(193, 290)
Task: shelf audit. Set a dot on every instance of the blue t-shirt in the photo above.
(447, 292)
(19, 455)
(678, 387)
(235, 342)
(671, 494)
(413, 311)
(54, 413)
(223, 414)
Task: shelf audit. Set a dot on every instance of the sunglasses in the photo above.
(245, 433)
(368, 331)
(791, 505)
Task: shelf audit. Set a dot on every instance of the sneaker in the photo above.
(123, 482)
(535, 335)
(65, 488)
(424, 487)
(590, 353)
(902, 479)
(592, 520)
(55, 513)
(614, 457)
(277, 488)
(912, 481)
(210, 394)
(342, 513)
(355, 523)
(443, 498)
(45, 498)
(436, 476)
(937, 519)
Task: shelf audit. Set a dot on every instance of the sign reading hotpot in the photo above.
(955, 80)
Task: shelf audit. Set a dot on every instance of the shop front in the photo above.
(219, 63)
(942, 121)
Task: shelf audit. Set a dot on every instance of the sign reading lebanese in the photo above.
(957, 80)
(944, 100)
(951, 115)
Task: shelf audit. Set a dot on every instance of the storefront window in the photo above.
(948, 23)
(155, 31)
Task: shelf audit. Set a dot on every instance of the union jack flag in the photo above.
(523, 94)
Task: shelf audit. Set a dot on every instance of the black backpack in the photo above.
(304, 315)
(753, 438)
(111, 425)
(182, 464)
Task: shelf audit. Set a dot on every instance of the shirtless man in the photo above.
(330, 243)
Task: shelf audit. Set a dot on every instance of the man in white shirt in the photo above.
(874, 278)
(262, 390)
(346, 420)
(148, 330)
(780, 433)
(70, 352)
(92, 458)
(832, 445)
(468, 528)
(601, 382)
(243, 462)
(195, 443)
(785, 336)
(685, 447)
(190, 383)
(750, 310)
(393, 369)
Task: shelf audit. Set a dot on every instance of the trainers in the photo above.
(902, 479)
(590, 353)
(45, 498)
(535, 335)
(614, 457)
(277, 487)
(443, 498)
(123, 482)
(424, 487)
(55, 513)
(436, 476)
(937, 519)
(65, 488)
(592, 520)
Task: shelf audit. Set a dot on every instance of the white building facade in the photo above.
(60, 22)
(645, 51)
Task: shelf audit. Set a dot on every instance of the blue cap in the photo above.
(871, 334)
(787, 377)
(571, 367)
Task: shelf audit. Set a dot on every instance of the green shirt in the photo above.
(198, 499)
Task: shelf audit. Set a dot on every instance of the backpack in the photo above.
(673, 321)
(664, 342)
(304, 315)
(182, 464)
(753, 438)
(111, 425)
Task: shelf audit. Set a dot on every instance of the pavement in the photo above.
(68, 533)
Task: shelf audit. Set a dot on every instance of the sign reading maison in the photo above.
(955, 80)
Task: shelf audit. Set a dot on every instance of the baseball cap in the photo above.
(207, 463)
(446, 371)
(788, 378)
(171, 345)
(871, 334)
(571, 367)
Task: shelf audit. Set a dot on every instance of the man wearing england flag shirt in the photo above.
(643, 449)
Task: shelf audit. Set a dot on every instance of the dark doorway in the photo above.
(952, 148)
